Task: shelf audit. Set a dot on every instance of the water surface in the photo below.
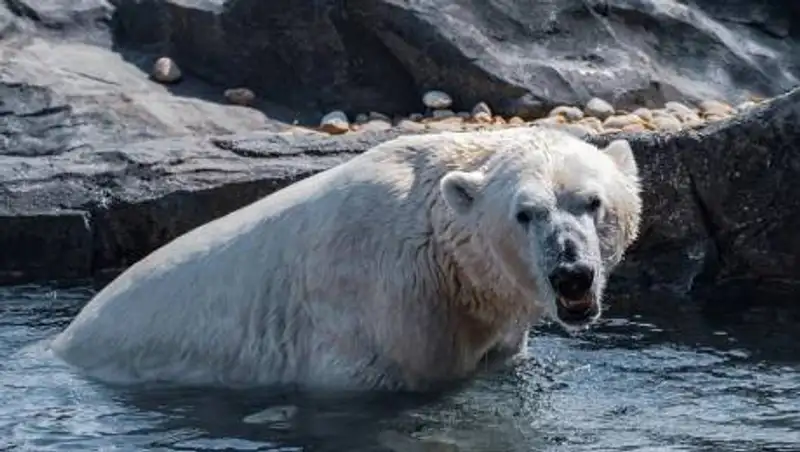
(664, 383)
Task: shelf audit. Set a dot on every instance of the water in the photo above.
(668, 383)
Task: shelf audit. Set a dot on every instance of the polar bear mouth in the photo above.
(576, 312)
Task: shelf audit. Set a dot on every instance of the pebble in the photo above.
(713, 107)
(592, 123)
(681, 111)
(481, 107)
(416, 117)
(644, 113)
(464, 114)
(599, 108)
(240, 96)
(516, 121)
(666, 122)
(499, 120)
(634, 128)
(165, 70)
(677, 107)
(568, 112)
(442, 114)
(618, 122)
(437, 99)
(335, 122)
(661, 112)
(410, 125)
(361, 118)
(452, 124)
(550, 120)
(376, 125)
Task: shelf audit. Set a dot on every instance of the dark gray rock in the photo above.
(89, 211)
(521, 57)
(720, 203)
(100, 165)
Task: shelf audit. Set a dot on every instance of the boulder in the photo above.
(522, 58)
(99, 164)
(722, 205)
(91, 210)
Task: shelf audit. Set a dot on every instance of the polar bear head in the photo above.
(553, 213)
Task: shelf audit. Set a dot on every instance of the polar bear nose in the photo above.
(572, 281)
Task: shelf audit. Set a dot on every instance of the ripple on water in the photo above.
(626, 386)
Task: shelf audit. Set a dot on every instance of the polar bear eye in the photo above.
(524, 217)
(594, 204)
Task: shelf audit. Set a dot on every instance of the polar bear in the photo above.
(401, 269)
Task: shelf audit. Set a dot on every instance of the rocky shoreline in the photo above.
(598, 116)
(108, 148)
(87, 213)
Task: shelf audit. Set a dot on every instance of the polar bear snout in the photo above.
(573, 284)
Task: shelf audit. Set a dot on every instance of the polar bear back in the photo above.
(224, 293)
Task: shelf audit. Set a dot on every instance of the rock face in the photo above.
(99, 164)
(521, 57)
(720, 203)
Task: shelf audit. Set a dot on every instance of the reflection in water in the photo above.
(685, 379)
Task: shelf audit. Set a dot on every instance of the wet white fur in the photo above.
(359, 277)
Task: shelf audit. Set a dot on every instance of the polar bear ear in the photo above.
(460, 189)
(621, 153)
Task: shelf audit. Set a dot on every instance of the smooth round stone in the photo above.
(410, 126)
(681, 111)
(165, 70)
(644, 113)
(677, 107)
(375, 125)
(634, 128)
(568, 112)
(481, 108)
(550, 120)
(715, 108)
(666, 122)
(437, 99)
(592, 123)
(335, 122)
(599, 108)
(442, 114)
(240, 96)
(618, 122)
